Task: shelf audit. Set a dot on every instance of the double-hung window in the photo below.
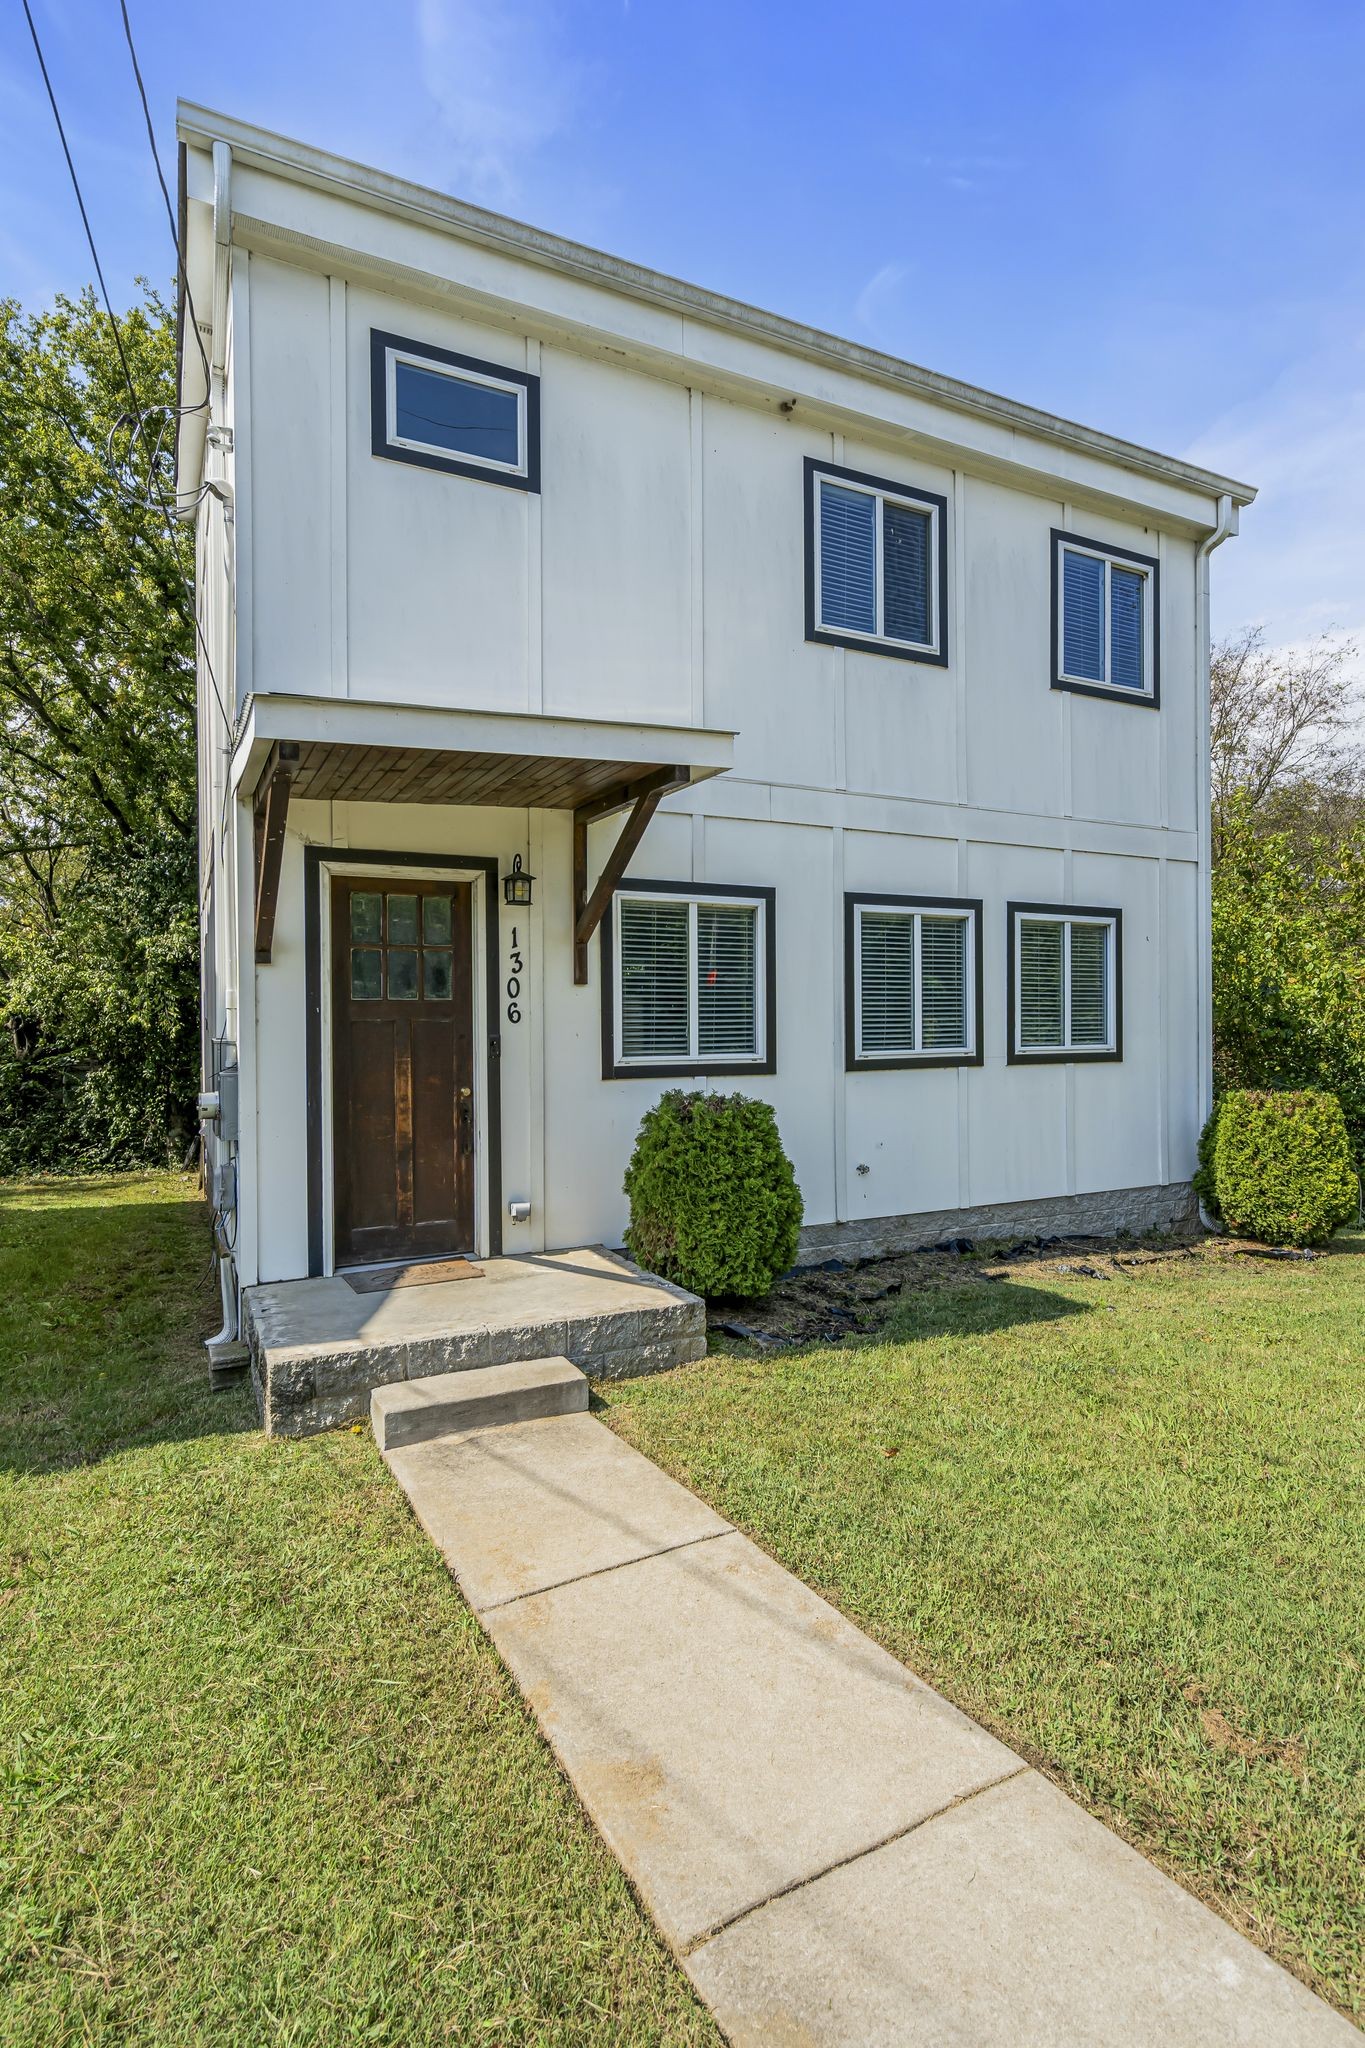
(1105, 620)
(912, 981)
(1065, 983)
(440, 410)
(876, 567)
(687, 981)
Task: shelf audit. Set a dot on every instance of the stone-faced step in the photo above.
(481, 1397)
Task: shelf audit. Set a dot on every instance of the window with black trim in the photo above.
(440, 410)
(1106, 620)
(687, 980)
(1065, 983)
(912, 981)
(876, 564)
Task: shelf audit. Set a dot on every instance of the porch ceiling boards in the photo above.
(421, 775)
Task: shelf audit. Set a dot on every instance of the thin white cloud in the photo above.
(502, 84)
(1296, 568)
(880, 303)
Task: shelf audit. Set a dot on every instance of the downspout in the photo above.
(190, 472)
(225, 1349)
(1224, 528)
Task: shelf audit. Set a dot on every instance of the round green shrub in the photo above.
(714, 1204)
(1282, 1165)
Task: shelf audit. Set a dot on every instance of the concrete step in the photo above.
(481, 1397)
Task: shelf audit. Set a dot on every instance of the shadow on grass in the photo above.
(105, 1301)
(972, 1307)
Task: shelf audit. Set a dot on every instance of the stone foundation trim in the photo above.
(1167, 1207)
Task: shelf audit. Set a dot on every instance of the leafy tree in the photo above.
(1287, 753)
(1289, 962)
(98, 921)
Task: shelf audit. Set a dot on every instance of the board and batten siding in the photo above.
(659, 576)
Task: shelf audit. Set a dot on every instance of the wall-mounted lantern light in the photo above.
(516, 887)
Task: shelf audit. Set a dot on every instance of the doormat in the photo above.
(427, 1273)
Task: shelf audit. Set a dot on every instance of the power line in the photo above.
(153, 479)
(85, 218)
(170, 210)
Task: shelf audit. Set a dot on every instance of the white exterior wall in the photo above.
(659, 576)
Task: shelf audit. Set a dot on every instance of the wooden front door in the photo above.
(402, 1068)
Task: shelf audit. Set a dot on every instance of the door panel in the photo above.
(402, 1067)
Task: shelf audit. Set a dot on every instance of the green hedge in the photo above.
(714, 1203)
(1279, 1162)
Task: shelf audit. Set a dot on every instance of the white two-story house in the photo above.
(607, 687)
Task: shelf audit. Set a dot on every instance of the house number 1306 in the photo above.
(518, 966)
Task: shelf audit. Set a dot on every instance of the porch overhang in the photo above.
(300, 748)
(422, 754)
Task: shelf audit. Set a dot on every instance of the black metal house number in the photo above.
(518, 966)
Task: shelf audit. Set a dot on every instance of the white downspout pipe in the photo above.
(228, 1338)
(1224, 528)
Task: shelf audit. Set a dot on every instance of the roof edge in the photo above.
(266, 150)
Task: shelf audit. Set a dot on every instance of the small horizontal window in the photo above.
(446, 411)
(1065, 981)
(875, 567)
(687, 982)
(913, 981)
(1106, 621)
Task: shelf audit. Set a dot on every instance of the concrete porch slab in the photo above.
(597, 1504)
(729, 1732)
(1016, 1920)
(318, 1347)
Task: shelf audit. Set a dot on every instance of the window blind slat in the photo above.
(887, 982)
(1040, 982)
(943, 977)
(654, 980)
(848, 569)
(906, 556)
(1082, 615)
(1125, 629)
(727, 990)
(1089, 984)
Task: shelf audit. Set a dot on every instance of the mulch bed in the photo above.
(826, 1303)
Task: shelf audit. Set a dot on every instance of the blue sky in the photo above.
(1148, 218)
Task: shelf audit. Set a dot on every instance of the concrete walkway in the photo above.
(834, 1854)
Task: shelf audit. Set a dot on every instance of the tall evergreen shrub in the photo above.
(714, 1203)
(1281, 1164)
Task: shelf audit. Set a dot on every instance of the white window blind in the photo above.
(877, 559)
(727, 982)
(1064, 976)
(1104, 627)
(913, 994)
(654, 975)
(887, 983)
(690, 980)
(943, 977)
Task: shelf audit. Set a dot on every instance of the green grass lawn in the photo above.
(1122, 1522)
(262, 1779)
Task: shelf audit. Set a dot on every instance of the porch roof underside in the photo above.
(414, 775)
(395, 753)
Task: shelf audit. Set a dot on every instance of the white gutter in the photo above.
(1224, 529)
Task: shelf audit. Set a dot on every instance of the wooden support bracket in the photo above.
(272, 814)
(643, 795)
